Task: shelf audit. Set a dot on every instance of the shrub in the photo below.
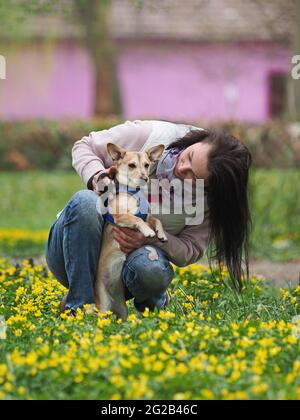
(43, 144)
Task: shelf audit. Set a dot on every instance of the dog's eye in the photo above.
(132, 166)
(146, 165)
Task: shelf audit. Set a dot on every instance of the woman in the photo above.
(223, 162)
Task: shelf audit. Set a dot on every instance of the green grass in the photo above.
(31, 200)
(276, 214)
(208, 344)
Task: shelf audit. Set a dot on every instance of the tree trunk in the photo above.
(94, 15)
(106, 100)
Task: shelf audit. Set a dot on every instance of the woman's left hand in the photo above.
(128, 239)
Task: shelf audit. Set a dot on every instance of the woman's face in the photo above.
(192, 162)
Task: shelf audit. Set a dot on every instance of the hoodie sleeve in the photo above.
(89, 155)
(188, 246)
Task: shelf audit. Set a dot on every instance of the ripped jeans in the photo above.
(73, 250)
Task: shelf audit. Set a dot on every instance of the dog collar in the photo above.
(142, 203)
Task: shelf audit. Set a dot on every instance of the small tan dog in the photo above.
(132, 170)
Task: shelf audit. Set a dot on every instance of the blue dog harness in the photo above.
(142, 203)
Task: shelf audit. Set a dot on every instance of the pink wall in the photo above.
(200, 81)
(176, 81)
(46, 81)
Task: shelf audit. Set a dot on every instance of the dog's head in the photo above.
(132, 168)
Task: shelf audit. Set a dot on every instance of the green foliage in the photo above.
(43, 144)
(276, 209)
(274, 144)
(30, 200)
(14, 13)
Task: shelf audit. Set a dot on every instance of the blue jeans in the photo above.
(73, 250)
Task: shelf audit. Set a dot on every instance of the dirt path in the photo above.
(279, 274)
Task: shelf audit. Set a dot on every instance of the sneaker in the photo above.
(167, 301)
(62, 305)
(63, 308)
(142, 306)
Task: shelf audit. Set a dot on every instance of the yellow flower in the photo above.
(293, 300)
(166, 347)
(157, 366)
(240, 395)
(146, 312)
(202, 345)
(21, 391)
(274, 351)
(266, 342)
(221, 370)
(8, 387)
(78, 379)
(291, 340)
(207, 394)
(116, 396)
(181, 354)
(284, 293)
(163, 326)
(182, 396)
(235, 376)
(290, 378)
(260, 388)
(201, 317)
(240, 354)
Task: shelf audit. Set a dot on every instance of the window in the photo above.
(277, 94)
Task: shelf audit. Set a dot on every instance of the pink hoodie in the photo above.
(186, 243)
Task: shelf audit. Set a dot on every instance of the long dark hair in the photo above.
(229, 161)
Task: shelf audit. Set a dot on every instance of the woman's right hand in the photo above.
(103, 179)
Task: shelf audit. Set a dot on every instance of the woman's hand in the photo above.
(105, 176)
(128, 239)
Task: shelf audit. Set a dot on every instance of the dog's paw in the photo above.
(163, 240)
(161, 236)
(148, 232)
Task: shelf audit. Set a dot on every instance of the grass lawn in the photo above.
(208, 344)
(276, 214)
(30, 201)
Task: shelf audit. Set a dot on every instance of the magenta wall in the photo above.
(46, 81)
(176, 81)
(200, 81)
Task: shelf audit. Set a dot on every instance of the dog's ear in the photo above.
(116, 152)
(155, 152)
